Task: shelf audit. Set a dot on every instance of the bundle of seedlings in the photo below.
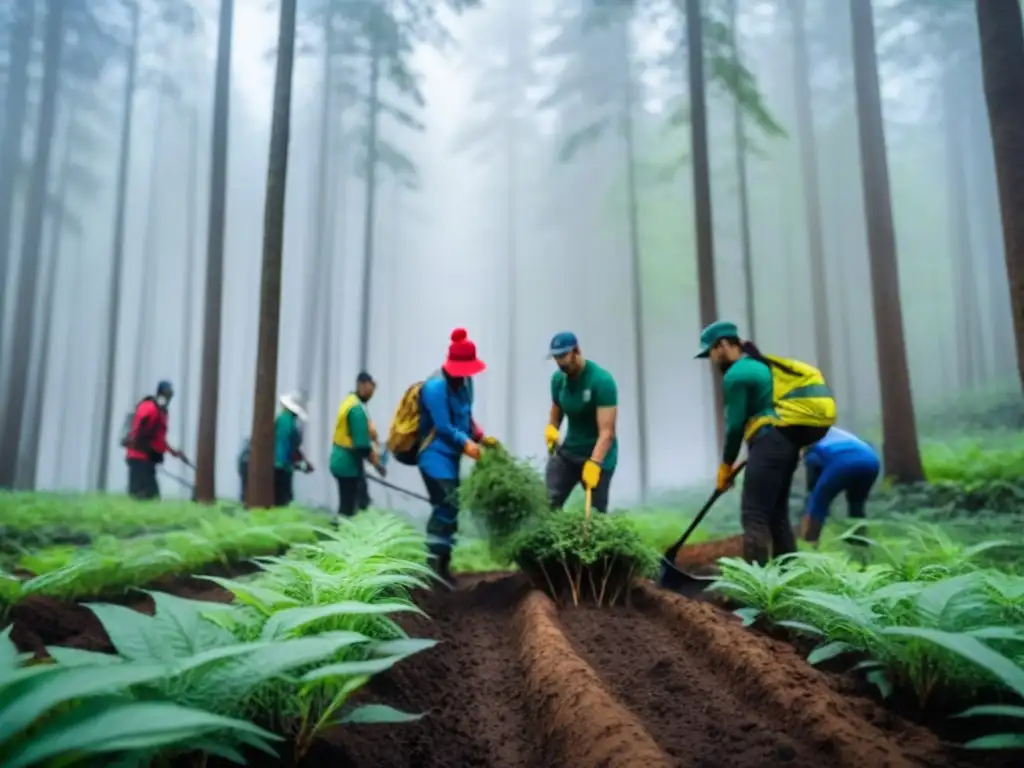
(503, 494)
(570, 557)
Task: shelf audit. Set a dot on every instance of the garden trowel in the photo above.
(673, 578)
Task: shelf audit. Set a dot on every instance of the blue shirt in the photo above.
(838, 446)
(287, 440)
(449, 412)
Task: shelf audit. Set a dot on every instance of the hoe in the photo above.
(673, 578)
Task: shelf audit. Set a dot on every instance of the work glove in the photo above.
(490, 442)
(472, 450)
(551, 436)
(725, 476)
(591, 474)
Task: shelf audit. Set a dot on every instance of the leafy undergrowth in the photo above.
(566, 555)
(30, 521)
(562, 552)
(281, 664)
(922, 620)
(111, 565)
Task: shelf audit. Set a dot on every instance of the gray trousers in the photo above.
(564, 472)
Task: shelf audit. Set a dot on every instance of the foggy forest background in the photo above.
(510, 169)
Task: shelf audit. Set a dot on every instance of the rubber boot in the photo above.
(442, 567)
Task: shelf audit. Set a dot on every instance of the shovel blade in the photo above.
(672, 578)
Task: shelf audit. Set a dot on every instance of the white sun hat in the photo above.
(296, 403)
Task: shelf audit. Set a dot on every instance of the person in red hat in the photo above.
(446, 422)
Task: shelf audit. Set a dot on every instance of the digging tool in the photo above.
(393, 487)
(673, 578)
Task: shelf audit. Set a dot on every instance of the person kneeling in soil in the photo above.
(447, 432)
(352, 446)
(779, 407)
(839, 462)
(586, 394)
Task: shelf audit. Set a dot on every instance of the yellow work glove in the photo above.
(591, 474)
(551, 437)
(490, 442)
(724, 481)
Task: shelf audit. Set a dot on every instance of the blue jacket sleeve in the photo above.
(813, 458)
(435, 399)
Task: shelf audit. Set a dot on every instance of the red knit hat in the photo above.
(462, 360)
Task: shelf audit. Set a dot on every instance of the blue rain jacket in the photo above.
(450, 412)
(839, 447)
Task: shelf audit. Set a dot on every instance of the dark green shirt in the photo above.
(579, 397)
(348, 462)
(747, 390)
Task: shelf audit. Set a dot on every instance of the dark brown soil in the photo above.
(41, 621)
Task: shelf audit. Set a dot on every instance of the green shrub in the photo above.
(503, 494)
(597, 560)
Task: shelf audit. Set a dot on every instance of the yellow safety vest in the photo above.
(342, 433)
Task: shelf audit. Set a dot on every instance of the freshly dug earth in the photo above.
(41, 621)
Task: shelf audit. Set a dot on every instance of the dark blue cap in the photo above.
(164, 388)
(563, 342)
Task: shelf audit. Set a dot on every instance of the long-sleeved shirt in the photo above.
(747, 392)
(287, 440)
(838, 445)
(149, 432)
(449, 413)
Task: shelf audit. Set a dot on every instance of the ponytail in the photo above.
(751, 350)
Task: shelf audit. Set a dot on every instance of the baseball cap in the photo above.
(364, 378)
(562, 342)
(164, 388)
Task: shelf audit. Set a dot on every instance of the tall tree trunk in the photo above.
(812, 194)
(144, 322)
(1002, 59)
(35, 208)
(70, 405)
(314, 285)
(965, 285)
(22, 30)
(373, 117)
(633, 223)
(900, 450)
(512, 52)
(260, 486)
(59, 196)
(702, 189)
(740, 138)
(117, 267)
(191, 203)
(209, 388)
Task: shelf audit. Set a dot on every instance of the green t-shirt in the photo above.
(348, 462)
(579, 397)
(747, 393)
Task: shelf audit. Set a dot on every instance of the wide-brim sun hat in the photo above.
(711, 335)
(296, 403)
(462, 361)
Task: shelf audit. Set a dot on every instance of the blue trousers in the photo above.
(855, 476)
(444, 517)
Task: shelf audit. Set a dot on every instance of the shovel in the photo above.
(673, 578)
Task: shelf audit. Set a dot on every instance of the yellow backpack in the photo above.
(404, 435)
(800, 395)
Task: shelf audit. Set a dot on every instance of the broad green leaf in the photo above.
(128, 726)
(131, 633)
(801, 626)
(40, 694)
(748, 615)
(8, 651)
(970, 649)
(404, 647)
(291, 620)
(179, 623)
(350, 668)
(76, 657)
(993, 710)
(997, 741)
(264, 599)
(828, 652)
(881, 681)
(377, 713)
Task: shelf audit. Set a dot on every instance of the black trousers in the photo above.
(353, 495)
(142, 482)
(564, 472)
(772, 459)
(283, 487)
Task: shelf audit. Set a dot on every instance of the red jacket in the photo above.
(149, 431)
